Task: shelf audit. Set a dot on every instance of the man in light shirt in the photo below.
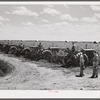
(81, 64)
(95, 65)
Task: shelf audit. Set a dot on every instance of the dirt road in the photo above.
(33, 75)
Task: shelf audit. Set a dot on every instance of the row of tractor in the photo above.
(64, 56)
(32, 52)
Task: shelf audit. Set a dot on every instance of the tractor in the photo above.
(54, 54)
(33, 53)
(89, 53)
(16, 50)
(63, 56)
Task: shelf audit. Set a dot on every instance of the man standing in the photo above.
(40, 46)
(81, 64)
(95, 65)
(85, 59)
(73, 47)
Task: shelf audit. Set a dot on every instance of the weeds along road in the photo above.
(41, 75)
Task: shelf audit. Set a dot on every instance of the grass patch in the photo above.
(5, 68)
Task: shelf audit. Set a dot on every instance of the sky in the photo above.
(50, 22)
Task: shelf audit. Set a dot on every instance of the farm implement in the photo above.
(58, 55)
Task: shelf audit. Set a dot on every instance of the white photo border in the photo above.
(6, 94)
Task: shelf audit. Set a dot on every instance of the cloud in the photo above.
(45, 20)
(28, 23)
(51, 11)
(83, 8)
(61, 23)
(68, 17)
(7, 12)
(89, 19)
(22, 10)
(97, 15)
(3, 18)
(66, 6)
(1, 23)
(50, 5)
(95, 8)
(56, 31)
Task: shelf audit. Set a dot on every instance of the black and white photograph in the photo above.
(50, 46)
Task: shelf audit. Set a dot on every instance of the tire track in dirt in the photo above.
(18, 76)
(32, 75)
(27, 75)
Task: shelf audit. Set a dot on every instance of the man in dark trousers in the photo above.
(95, 65)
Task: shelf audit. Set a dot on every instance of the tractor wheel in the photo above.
(26, 53)
(47, 55)
(13, 51)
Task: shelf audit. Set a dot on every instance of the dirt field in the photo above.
(33, 75)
